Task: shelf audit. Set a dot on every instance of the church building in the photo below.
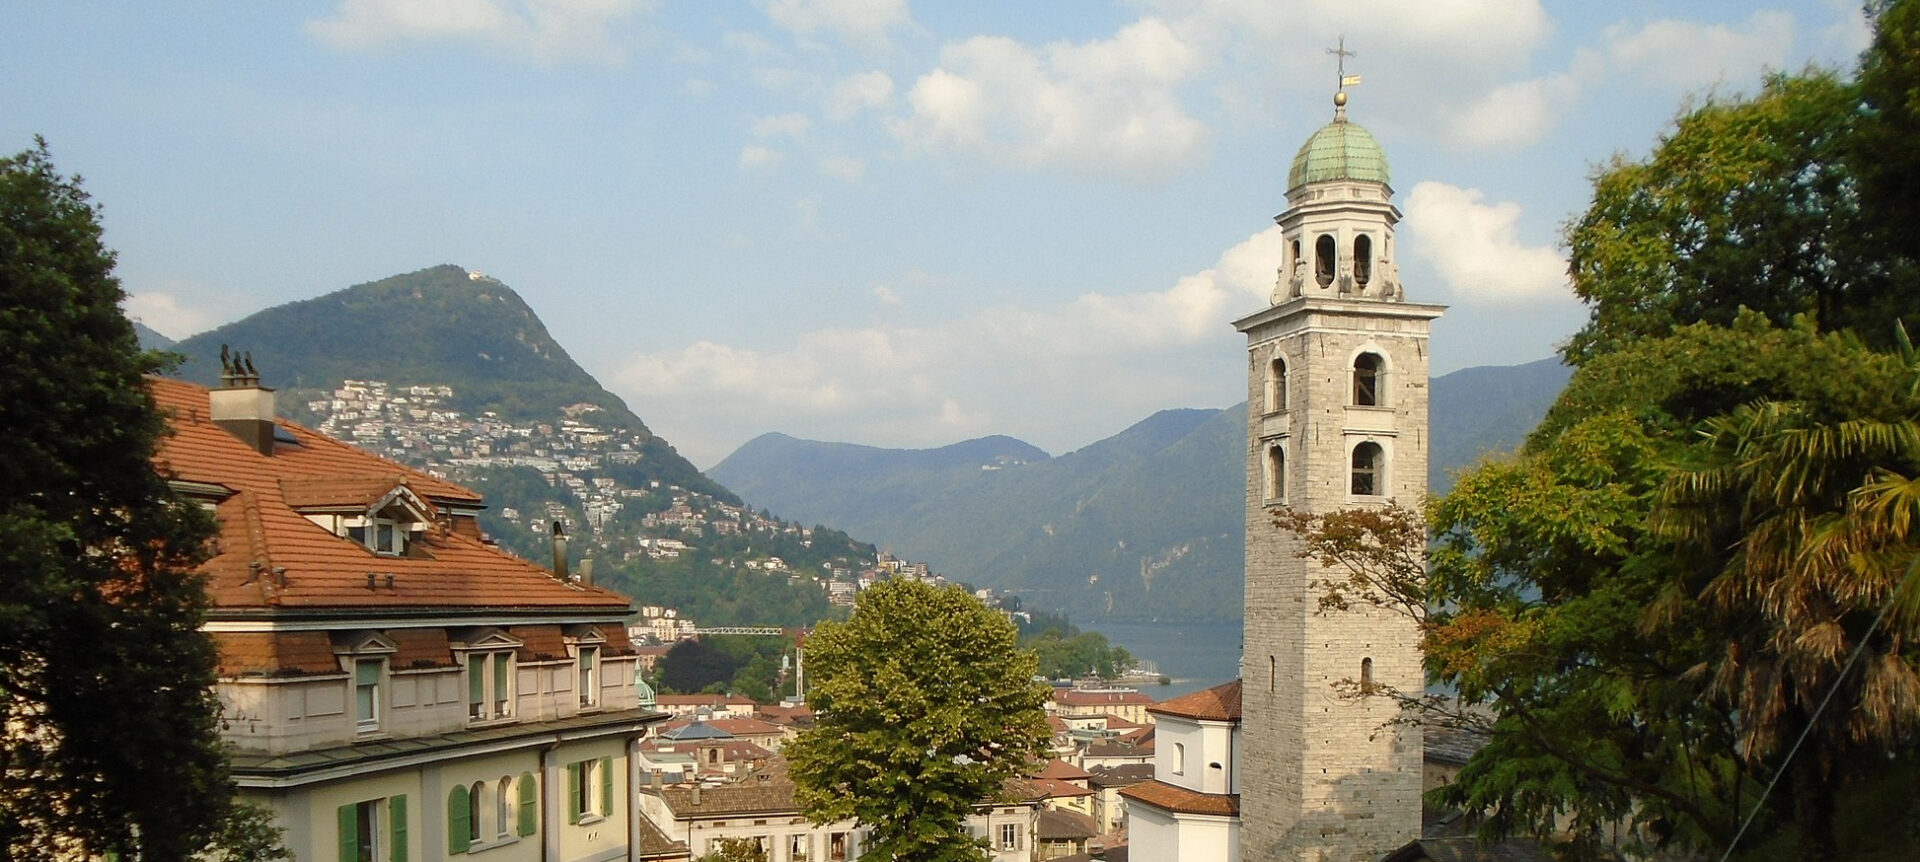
(1336, 419)
(1310, 767)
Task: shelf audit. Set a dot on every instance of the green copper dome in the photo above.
(1338, 151)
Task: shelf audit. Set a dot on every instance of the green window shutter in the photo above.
(500, 676)
(349, 834)
(476, 679)
(529, 804)
(606, 786)
(397, 814)
(575, 787)
(459, 821)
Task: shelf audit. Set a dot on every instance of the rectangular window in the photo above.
(366, 694)
(837, 847)
(374, 830)
(489, 678)
(589, 676)
(797, 847)
(589, 790)
(1009, 836)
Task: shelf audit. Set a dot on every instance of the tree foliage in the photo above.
(1750, 203)
(109, 737)
(925, 707)
(1642, 610)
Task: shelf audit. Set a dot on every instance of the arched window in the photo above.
(1276, 473)
(503, 807)
(476, 801)
(1273, 672)
(1362, 260)
(1369, 463)
(1366, 676)
(1179, 759)
(1323, 254)
(1366, 380)
(1276, 385)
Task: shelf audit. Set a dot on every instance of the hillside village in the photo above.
(591, 474)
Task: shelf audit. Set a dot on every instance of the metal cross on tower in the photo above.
(1341, 53)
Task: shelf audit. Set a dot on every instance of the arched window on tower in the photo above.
(1366, 675)
(1323, 254)
(1276, 385)
(1362, 260)
(1366, 380)
(1277, 473)
(1369, 467)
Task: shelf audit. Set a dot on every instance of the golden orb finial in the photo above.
(1340, 99)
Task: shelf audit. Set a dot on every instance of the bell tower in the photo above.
(1336, 419)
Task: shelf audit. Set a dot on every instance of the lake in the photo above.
(1194, 655)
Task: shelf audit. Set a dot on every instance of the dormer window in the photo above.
(378, 513)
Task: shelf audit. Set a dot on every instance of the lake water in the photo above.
(1194, 655)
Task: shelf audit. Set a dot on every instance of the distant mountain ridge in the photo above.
(1147, 523)
(440, 325)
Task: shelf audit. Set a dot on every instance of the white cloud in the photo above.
(1103, 107)
(1476, 247)
(754, 156)
(1514, 115)
(163, 313)
(857, 93)
(934, 384)
(843, 167)
(542, 31)
(863, 24)
(1689, 55)
(789, 125)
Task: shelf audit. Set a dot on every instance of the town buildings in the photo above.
(393, 686)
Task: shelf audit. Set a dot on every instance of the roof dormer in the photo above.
(380, 514)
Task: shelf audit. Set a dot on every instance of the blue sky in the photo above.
(877, 221)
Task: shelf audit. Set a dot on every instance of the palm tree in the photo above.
(1803, 531)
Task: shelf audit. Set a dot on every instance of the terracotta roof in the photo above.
(713, 700)
(1057, 824)
(1054, 788)
(1180, 800)
(270, 557)
(353, 491)
(1063, 771)
(275, 654)
(1077, 697)
(654, 844)
(747, 726)
(1220, 703)
(752, 796)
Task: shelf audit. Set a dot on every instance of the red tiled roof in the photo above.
(1220, 703)
(1063, 771)
(1076, 697)
(1056, 824)
(270, 557)
(1180, 800)
(1054, 788)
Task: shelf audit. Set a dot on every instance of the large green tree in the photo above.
(925, 707)
(1748, 202)
(109, 736)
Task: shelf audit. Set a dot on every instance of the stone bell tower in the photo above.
(1336, 419)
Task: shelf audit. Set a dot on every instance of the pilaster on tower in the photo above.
(1337, 418)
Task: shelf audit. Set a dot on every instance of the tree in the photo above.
(924, 707)
(1750, 203)
(736, 850)
(109, 740)
(1630, 615)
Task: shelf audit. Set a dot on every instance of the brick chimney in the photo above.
(241, 405)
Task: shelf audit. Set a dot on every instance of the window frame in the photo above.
(372, 717)
(494, 684)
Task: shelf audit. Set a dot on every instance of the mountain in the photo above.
(1147, 523)
(149, 339)
(1485, 410)
(438, 326)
